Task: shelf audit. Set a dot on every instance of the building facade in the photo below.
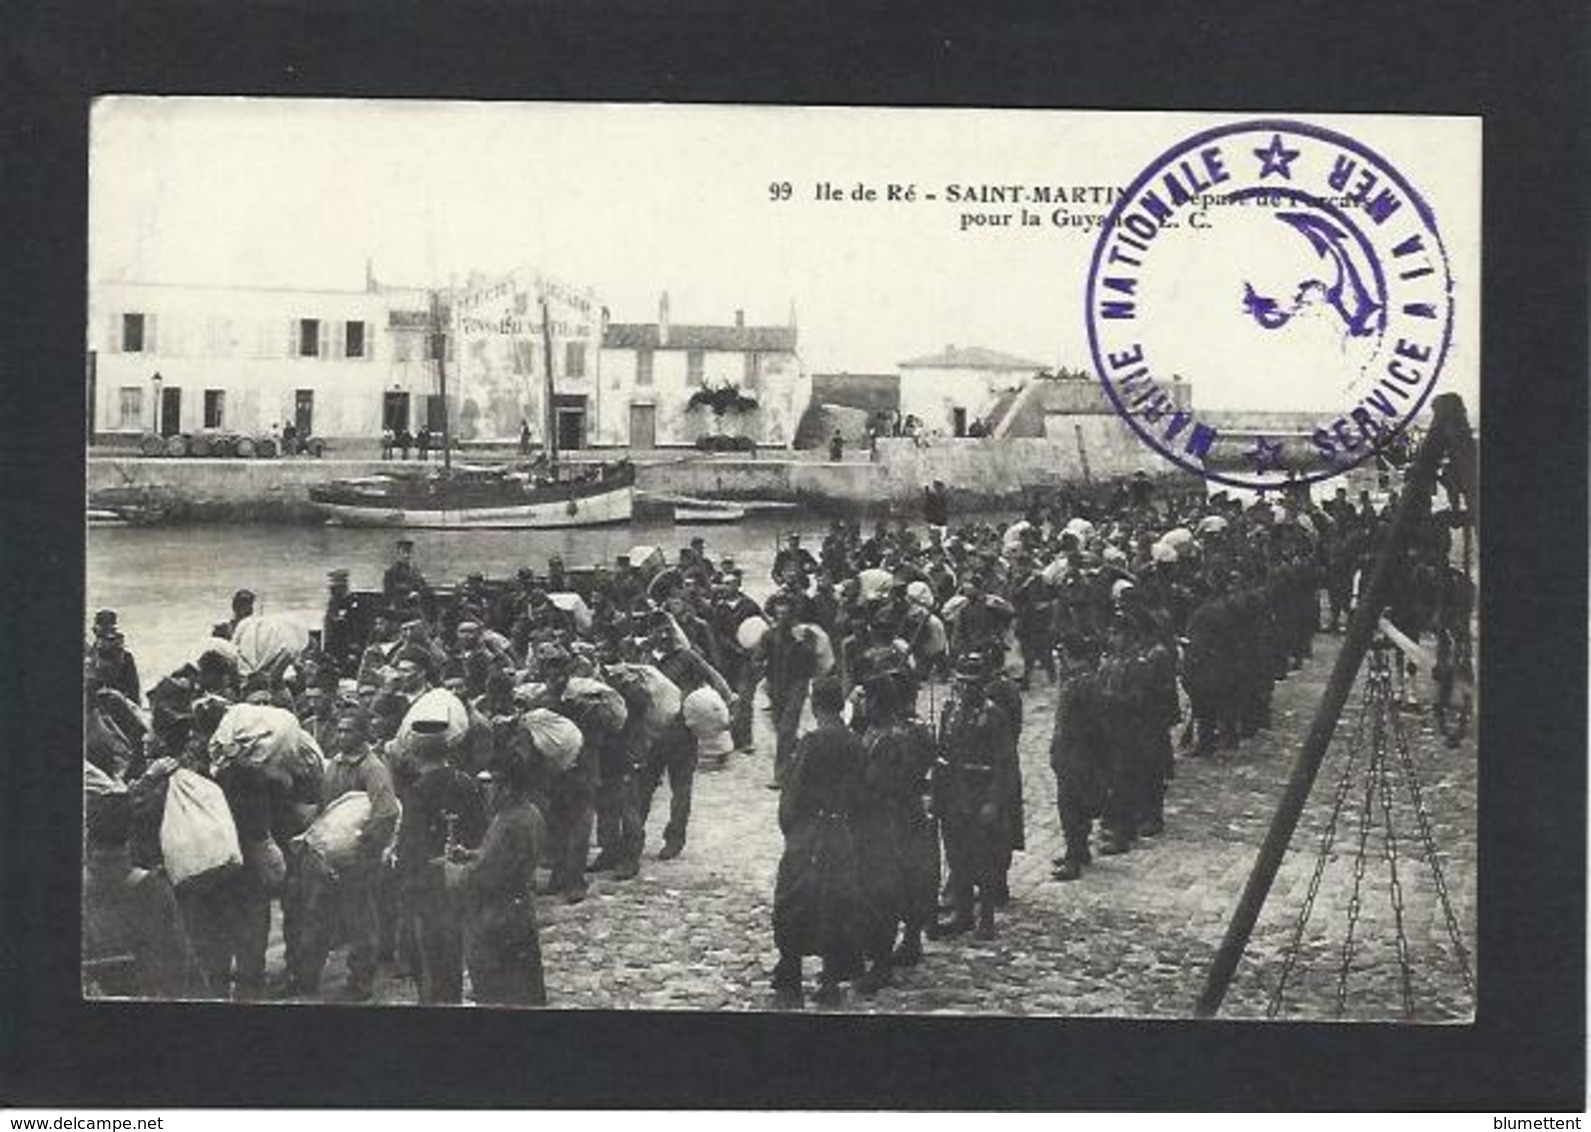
(951, 391)
(172, 359)
(508, 330)
(651, 370)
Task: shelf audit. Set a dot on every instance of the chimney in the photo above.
(662, 320)
(740, 318)
(370, 275)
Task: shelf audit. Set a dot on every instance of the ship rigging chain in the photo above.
(1378, 733)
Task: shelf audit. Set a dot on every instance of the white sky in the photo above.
(632, 200)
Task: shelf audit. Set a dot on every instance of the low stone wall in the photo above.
(979, 473)
(193, 490)
(997, 473)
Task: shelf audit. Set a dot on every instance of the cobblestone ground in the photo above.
(1133, 937)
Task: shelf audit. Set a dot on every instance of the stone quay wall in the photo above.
(980, 474)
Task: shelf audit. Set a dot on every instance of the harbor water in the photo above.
(169, 585)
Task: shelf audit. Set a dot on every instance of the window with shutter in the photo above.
(695, 363)
(354, 339)
(214, 406)
(643, 367)
(132, 333)
(309, 338)
(574, 359)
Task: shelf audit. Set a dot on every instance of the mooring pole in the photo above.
(1448, 425)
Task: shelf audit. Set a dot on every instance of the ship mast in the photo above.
(438, 344)
(551, 408)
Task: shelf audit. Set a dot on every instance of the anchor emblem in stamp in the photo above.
(1269, 301)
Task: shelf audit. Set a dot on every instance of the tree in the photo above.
(722, 400)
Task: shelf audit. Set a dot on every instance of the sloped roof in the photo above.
(971, 357)
(645, 336)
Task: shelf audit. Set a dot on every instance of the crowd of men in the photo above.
(901, 810)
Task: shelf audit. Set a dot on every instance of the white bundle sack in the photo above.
(707, 719)
(651, 696)
(197, 834)
(555, 737)
(606, 705)
(751, 632)
(575, 606)
(334, 835)
(262, 638)
(822, 647)
(268, 737)
(874, 582)
(438, 711)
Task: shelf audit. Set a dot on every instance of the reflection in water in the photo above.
(170, 584)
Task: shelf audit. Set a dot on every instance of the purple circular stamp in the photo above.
(1269, 301)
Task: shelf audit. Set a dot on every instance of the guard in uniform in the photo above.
(1079, 754)
(972, 789)
(342, 633)
(403, 578)
(1005, 695)
(1033, 601)
(897, 841)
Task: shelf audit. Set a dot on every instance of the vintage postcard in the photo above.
(737, 558)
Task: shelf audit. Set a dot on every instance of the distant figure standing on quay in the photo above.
(524, 438)
(422, 441)
(836, 446)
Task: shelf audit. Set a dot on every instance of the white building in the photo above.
(502, 326)
(650, 370)
(177, 358)
(345, 364)
(950, 390)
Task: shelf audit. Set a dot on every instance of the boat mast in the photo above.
(438, 345)
(552, 411)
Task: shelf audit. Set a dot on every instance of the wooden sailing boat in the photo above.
(514, 496)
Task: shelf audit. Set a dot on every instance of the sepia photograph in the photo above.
(725, 558)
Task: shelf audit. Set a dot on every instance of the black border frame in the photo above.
(1522, 67)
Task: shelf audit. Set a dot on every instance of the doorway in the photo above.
(395, 411)
(958, 422)
(643, 426)
(170, 411)
(571, 429)
(304, 412)
(571, 418)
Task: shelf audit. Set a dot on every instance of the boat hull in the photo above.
(590, 511)
(687, 514)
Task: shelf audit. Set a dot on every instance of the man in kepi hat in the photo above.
(403, 577)
(442, 810)
(112, 664)
(340, 627)
(972, 796)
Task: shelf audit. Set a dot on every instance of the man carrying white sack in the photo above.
(339, 896)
